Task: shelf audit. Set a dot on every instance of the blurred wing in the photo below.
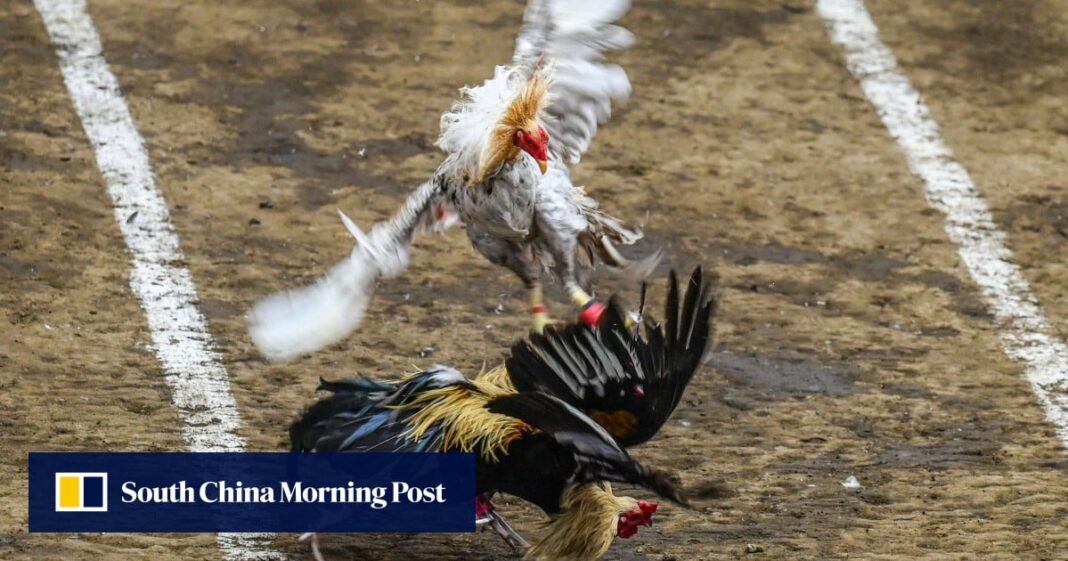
(573, 36)
(287, 324)
(630, 383)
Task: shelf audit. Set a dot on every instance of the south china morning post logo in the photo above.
(238, 492)
(251, 492)
(81, 492)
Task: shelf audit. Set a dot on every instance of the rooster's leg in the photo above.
(511, 537)
(314, 537)
(485, 514)
(537, 309)
(483, 506)
(592, 309)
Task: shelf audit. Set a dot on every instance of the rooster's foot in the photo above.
(539, 319)
(485, 514)
(592, 308)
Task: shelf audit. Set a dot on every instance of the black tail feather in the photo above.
(637, 373)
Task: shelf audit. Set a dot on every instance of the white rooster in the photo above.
(508, 143)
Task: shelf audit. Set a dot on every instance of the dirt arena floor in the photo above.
(852, 340)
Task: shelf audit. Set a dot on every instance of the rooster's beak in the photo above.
(543, 165)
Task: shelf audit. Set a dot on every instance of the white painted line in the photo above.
(200, 386)
(1026, 335)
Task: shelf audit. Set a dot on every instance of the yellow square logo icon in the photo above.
(82, 492)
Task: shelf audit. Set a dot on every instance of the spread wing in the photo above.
(289, 323)
(573, 37)
(629, 381)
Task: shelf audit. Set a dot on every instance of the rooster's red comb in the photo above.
(647, 507)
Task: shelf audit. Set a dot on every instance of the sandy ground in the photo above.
(851, 340)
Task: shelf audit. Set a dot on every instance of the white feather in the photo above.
(445, 375)
(573, 37)
(353, 229)
(569, 38)
(288, 324)
(466, 128)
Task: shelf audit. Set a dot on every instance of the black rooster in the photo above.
(549, 426)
